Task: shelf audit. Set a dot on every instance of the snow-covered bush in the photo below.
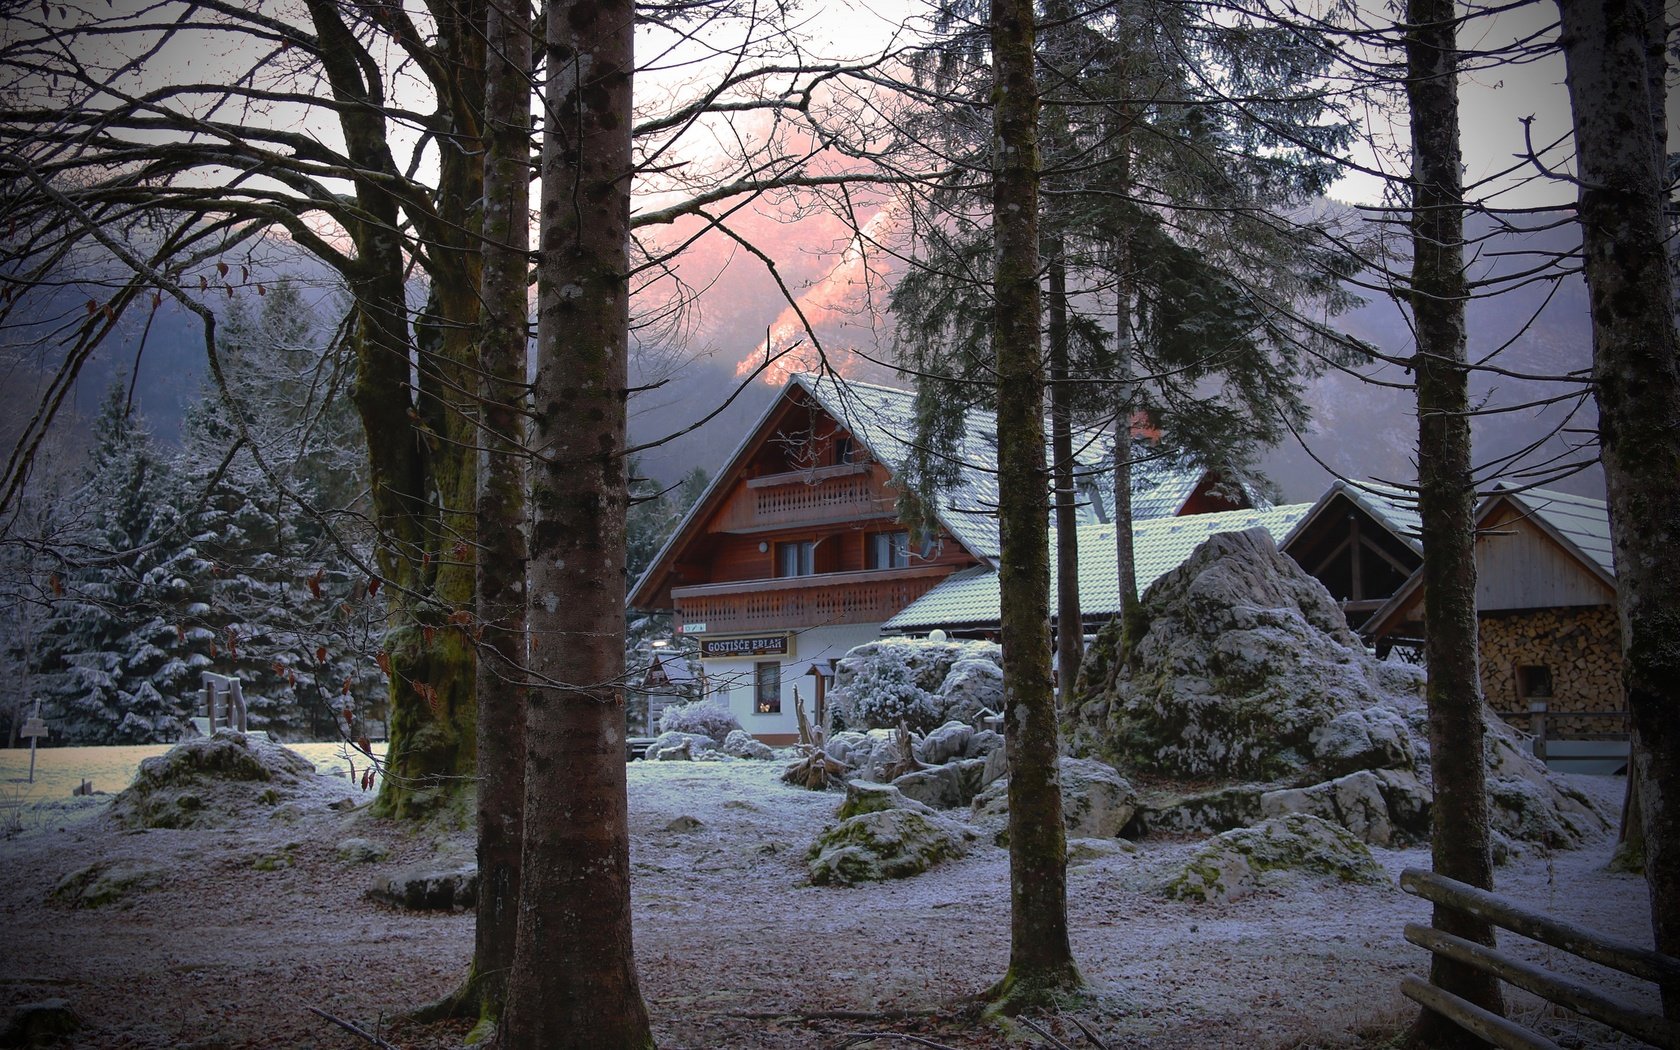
(882, 692)
(701, 717)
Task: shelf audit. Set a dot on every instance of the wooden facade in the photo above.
(1362, 556)
(802, 532)
(1547, 628)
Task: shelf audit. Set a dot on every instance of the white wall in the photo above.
(814, 645)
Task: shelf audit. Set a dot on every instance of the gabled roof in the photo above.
(883, 420)
(1577, 524)
(1580, 524)
(1158, 546)
(1392, 507)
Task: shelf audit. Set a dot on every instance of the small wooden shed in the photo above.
(1546, 602)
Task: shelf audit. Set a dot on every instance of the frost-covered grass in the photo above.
(60, 770)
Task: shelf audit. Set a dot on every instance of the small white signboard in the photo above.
(33, 729)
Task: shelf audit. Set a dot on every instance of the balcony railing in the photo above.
(827, 494)
(805, 601)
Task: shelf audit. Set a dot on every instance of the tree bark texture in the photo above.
(501, 503)
(1614, 51)
(574, 979)
(1040, 958)
(1460, 837)
(1125, 556)
(413, 392)
(1070, 624)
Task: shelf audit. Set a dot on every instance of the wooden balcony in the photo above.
(821, 496)
(805, 601)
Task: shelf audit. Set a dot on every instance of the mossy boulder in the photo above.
(1097, 802)
(218, 781)
(1245, 663)
(1234, 863)
(1202, 812)
(884, 844)
(1382, 807)
(51, 1022)
(443, 885)
(1242, 694)
(866, 796)
(107, 882)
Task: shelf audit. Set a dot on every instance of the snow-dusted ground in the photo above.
(734, 949)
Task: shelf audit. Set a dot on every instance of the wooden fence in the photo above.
(1545, 724)
(1559, 990)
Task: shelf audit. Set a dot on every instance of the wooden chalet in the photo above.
(794, 554)
(1545, 597)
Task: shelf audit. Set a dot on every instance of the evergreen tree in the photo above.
(104, 666)
(1180, 250)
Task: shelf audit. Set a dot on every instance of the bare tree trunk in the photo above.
(501, 503)
(1614, 50)
(574, 977)
(1460, 840)
(1125, 557)
(1040, 958)
(1070, 627)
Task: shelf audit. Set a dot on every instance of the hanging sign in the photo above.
(746, 648)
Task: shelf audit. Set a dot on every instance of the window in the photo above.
(796, 559)
(889, 550)
(1534, 683)
(767, 688)
(842, 449)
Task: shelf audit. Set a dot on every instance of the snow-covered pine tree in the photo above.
(260, 587)
(104, 669)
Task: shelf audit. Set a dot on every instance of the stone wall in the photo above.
(1579, 645)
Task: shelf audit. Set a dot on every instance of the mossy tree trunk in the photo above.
(501, 504)
(1040, 957)
(574, 977)
(1460, 838)
(414, 394)
(1616, 66)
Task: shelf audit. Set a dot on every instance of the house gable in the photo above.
(1361, 542)
(801, 479)
(1527, 557)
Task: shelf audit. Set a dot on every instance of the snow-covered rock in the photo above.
(1245, 674)
(220, 780)
(974, 684)
(956, 740)
(361, 851)
(947, 786)
(1097, 802)
(1245, 663)
(1234, 863)
(1203, 812)
(50, 1022)
(107, 882)
(741, 744)
(914, 680)
(864, 796)
(1380, 807)
(871, 755)
(677, 746)
(437, 886)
